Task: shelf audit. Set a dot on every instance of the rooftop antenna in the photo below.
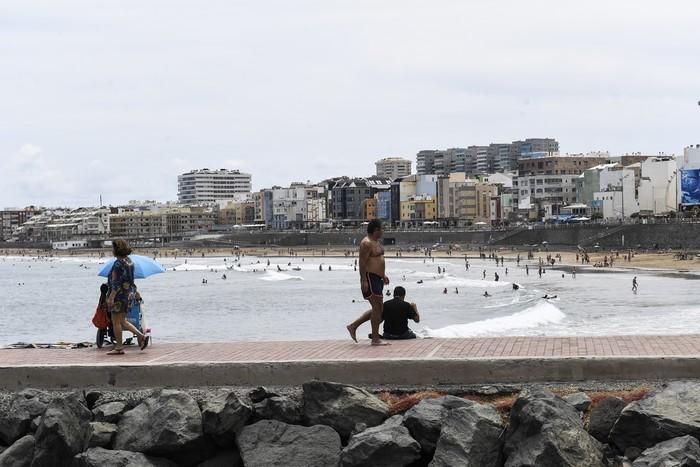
(100, 199)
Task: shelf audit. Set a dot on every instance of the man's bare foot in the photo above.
(353, 332)
(378, 343)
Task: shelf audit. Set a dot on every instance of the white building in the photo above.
(616, 198)
(209, 186)
(69, 244)
(393, 167)
(62, 224)
(658, 189)
(299, 206)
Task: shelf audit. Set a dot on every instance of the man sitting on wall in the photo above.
(395, 316)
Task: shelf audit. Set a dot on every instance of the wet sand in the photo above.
(664, 260)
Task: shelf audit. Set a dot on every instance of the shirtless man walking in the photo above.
(372, 278)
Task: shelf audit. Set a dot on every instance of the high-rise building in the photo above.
(209, 186)
(393, 167)
(496, 157)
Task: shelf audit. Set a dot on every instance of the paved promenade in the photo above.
(420, 362)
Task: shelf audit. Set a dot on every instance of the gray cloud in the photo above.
(123, 96)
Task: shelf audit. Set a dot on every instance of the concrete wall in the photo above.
(608, 236)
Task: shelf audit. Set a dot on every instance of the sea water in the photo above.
(53, 300)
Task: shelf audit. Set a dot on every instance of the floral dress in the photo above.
(121, 280)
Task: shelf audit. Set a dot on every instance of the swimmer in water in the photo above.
(486, 294)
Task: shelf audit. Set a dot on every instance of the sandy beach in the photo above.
(662, 260)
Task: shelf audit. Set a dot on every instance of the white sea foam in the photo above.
(272, 276)
(198, 267)
(540, 314)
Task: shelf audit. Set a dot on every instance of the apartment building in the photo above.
(237, 213)
(495, 157)
(549, 181)
(418, 209)
(393, 167)
(209, 186)
(348, 196)
(156, 223)
(64, 224)
(295, 207)
(12, 219)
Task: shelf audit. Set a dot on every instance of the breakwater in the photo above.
(324, 424)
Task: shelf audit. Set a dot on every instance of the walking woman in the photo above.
(122, 290)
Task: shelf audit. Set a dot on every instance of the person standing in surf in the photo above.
(372, 277)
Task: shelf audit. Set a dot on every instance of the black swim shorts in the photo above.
(375, 286)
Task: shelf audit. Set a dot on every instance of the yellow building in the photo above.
(418, 209)
(237, 213)
(369, 209)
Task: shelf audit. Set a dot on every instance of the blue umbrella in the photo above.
(143, 267)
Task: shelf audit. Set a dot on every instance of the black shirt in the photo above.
(396, 315)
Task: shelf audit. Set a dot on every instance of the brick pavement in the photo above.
(329, 351)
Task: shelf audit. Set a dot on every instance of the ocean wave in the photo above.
(198, 267)
(272, 276)
(540, 314)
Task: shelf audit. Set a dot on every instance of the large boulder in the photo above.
(260, 393)
(169, 424)
(424, 420)
(546, 431)
(62, 432)
(110, 412)
(224, 459)
(269, 443)
(282, 408)
(603, 416)
(387, 445)
(17, 420)
(579, 400)
(101, 434)
(669, 413)
(683, 451)
(100, 457)
(342, 406)
(470, 437)
(224, 415)
(20, 454)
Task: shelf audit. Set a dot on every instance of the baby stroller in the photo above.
(103, 320)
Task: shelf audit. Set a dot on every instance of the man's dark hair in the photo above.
(373, 226)
(399, 291)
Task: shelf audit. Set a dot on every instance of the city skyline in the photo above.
(119, 100)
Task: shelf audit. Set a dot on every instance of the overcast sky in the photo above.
(117, 98)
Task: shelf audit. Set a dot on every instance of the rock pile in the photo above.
(336, 425)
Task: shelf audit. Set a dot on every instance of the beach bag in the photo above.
(101, 319)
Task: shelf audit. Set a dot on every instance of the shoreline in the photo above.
(660, 261)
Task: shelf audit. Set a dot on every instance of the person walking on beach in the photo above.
(122, 290)
(634, 284)
(372, 277)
